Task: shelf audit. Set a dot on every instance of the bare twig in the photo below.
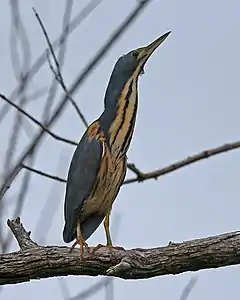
(10, 181)
(32, 97)
(21, 235)
(188, 288)
(79, 80)
(80, 17)
(109, 290)
(61, 55)
(57, 72)
(18, 33)
(72, 101)
(37, 94)
(57, 137)
(47, 175)
(22, 111)
(135, 170)
(155, 174)
(182, 163)
(44, 262)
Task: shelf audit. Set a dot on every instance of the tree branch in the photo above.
(73, 24)
(21, 235)
(34, 120)
(140, 176)
(179, 164)
(35, 262)
(57, 73)
(188, 288)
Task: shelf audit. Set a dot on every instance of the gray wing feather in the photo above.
(82, 175)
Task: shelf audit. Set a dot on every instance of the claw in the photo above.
(82, 244)
(110, 247)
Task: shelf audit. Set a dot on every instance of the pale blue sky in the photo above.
(189, 101)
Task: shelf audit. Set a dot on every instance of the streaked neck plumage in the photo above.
(121, 102)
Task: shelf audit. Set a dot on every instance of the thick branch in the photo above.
(37, 262)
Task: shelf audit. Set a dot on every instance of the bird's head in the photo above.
(128, 65)
(134, 61)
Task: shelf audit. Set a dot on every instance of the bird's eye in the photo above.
(135, 53)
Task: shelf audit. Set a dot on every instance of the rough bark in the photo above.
(35, 262)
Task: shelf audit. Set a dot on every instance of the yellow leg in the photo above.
(108, 236)
(80, 241)
(107, 229)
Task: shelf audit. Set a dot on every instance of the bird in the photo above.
(99, 163)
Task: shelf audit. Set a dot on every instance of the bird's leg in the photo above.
(108, 236)
(107, 230)
(80, 241)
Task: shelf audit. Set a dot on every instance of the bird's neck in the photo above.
(118, 118)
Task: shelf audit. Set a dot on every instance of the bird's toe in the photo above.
(82, 244)
(110, 247)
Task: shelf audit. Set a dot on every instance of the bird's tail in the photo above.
(90, 225)
(87, 228)
(69, 232)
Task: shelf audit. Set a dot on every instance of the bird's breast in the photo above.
(109, 180)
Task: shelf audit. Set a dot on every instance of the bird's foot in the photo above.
(82, 244)
(115, 247)
(109, 246)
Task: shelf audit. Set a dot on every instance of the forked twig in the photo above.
(57, 72)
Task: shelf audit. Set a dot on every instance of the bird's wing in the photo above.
(82, 175)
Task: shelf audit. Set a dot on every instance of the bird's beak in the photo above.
(147, 51)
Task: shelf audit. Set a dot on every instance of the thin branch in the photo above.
(135, 170)
(140, 176)
(32, 97)
(37, 94)
(47, 175)
(72, 101)
(55, 136)
(79, 80)
(155, 174)
(188, 288)
(57, 73)
(10, 181)
(80, 17)
(64, 288)
(61, 57)
(109, 290)
(22, 111)
(44, 262)
(18, 34)
(182, 163)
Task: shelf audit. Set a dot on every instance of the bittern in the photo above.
(99, 163)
